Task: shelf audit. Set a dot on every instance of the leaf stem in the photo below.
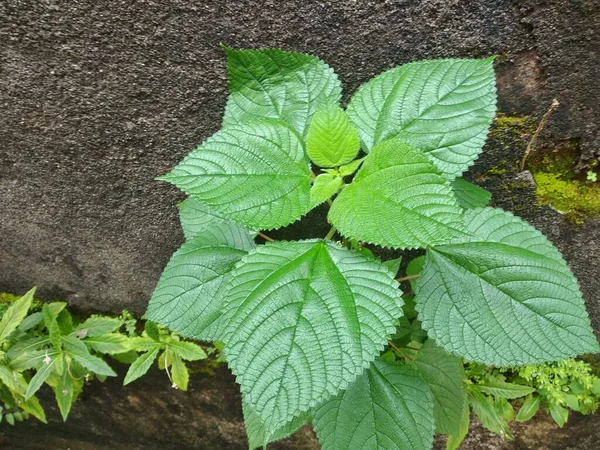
(329, 235)
(399, 350)
(408, 277)
(540, 127)
(265, 237)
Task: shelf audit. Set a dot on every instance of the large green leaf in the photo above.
(441, 107)
(332, 140)
(389, 407)
(303, 320)
(397, 199)
(196, 218)
(15, 314)
(504, 296)
(279, 85)
(257, 174)
(444, 373)
(257, 434)
(186, 298)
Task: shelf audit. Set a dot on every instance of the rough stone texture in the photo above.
(99, 97)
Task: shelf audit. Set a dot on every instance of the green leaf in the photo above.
(324, 187)
(31, 321)
(415, 267)
(504, 390)
(332, 139)
(110, 343)
(559, 414)
(596, 387)
(444, 373)
(390, 406)
(30, 359)
(24, 347)
(393, 265)
(484, 409)
(196, 219)
(278, 85)
(12, 379)
(572, 401)
(256, 432)
(455, 439)
(141, 365)
(80, 353)
(503, 297)
(529, 408)
(179, 373)
(32, 406)
(257, 175)
(441, 107)
(504, 408)
(187, 350)
(97, 325)
(398, 199)
(186, 299)
(66, 389)
(470, 195)
(350, 168)
(15, 314)
(54, 333)
(303, 320)
(152, 330)
(42, 373)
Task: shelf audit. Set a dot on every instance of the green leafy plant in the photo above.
(43, 343)
(318, 330)
(555, 387)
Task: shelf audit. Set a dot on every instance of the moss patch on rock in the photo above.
(560, 187)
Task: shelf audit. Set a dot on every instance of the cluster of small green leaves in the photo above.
(556, 387)
(304, 323)
(44, 343)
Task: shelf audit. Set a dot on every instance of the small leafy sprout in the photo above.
(158, 342)
(318, 330)
(592, 176)
(43, 344)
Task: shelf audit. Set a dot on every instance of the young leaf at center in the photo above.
(332, 139)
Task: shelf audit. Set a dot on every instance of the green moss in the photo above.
(517, 124)
(496, 171)
(559, 187)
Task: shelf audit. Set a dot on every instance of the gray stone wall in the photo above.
(99, 97)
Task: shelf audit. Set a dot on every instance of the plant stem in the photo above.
(540, 127)
(399, 350)
(265, 237)
(407, 278)
(331, 233)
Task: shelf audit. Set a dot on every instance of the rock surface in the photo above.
(97, 98)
